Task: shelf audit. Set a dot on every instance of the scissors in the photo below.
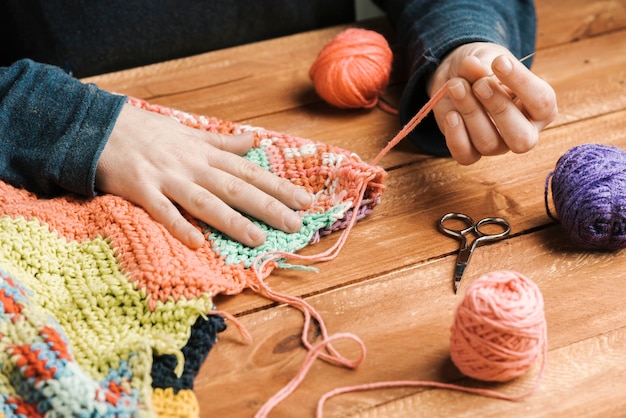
(465, 250)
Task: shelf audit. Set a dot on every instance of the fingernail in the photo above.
(304, 198)
(196, 239)
(452, 119)
(483, 89)
(503, 65)
(292, 221)
(255, 233)
(457, 90)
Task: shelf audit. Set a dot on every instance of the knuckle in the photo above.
(176, 223)
(524, 143)
(250, 172)
(235, 187)
(488, 146)
(235, 221)
(163, 206)
(500, 108)
(546, 103)
(282, 187)
(220, 141)
(471, 111)
(490, 143)
(200, 199)
(273, 206)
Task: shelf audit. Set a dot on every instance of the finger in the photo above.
(209, 208)
(517, 132)
(480, 128)
(472, 69)
(165, 213)
(458, 141)
(243, 196)
(536, 95)
(238, 144)
(272, 185)
(451, 125)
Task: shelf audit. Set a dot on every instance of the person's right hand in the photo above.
(493, 104)
(158, 163)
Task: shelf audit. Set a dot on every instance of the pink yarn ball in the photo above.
(499, 328)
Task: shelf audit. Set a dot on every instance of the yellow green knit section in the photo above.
(81, 285)
(168, 404)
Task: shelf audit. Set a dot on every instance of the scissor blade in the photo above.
(458, 274)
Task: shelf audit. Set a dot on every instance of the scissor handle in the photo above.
(474, 227)
(482, 236)
(455, 232)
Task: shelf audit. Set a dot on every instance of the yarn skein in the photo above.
(352, 70)
(499, 329)
(589, 194)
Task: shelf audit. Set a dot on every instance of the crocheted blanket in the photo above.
(103, 313)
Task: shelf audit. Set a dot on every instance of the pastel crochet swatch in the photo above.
(104, 313)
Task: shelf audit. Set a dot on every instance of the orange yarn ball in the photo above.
(499, 329)
(352, 70)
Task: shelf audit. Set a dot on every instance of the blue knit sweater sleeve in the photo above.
(53, 128)
(428, 30)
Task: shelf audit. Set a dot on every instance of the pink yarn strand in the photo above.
(310, 358)
(314, 352)
(426, 384)
(242, 330)
(415, 120)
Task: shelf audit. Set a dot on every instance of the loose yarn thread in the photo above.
(352, 70)
(589, 194)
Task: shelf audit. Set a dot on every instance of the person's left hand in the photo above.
(159, 163)
(493, 103)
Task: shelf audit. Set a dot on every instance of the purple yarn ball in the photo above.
(589, 194)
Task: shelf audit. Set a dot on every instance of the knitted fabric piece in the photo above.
(103, 312)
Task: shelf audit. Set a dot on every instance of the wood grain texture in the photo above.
(566, 22)
(392, 283)
(404, 318)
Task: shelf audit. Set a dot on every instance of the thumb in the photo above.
(472, 69)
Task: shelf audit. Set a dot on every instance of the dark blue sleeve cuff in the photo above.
(53, 128)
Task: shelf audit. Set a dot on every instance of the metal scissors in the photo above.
(465, 250)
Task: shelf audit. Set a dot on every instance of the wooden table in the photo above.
(391, 284)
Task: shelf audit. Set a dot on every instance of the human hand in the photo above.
(493, 103)
(157, 162)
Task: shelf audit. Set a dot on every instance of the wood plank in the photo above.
(563, 22)
(404, 318)
(402, 229)
(589, 76)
